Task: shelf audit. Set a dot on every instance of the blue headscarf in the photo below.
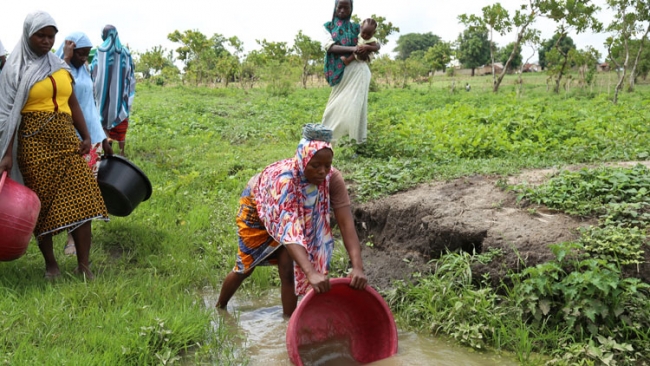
(80, 41)
(344, 33)
(84, 88)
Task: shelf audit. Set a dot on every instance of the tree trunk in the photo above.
(636, 61)
(473, 71)
(561, 73)
(494, 77)
(619, 85)
(520, 84)
(556, 89)
(304, 76)
(497, 82)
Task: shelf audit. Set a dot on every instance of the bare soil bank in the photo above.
(404, 232)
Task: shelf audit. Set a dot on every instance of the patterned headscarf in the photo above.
(296, 212)
(344, 33)
(23, 69)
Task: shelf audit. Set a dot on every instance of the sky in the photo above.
(143, 24)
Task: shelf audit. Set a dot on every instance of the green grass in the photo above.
(200, 146)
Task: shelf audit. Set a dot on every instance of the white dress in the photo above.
(347, 108)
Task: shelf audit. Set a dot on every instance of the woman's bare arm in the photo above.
(342, 50)
(345, 221)
(319, 282)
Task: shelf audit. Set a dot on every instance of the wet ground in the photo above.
(260, 322)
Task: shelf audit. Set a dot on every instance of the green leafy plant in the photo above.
(613, 244)
(589, 297)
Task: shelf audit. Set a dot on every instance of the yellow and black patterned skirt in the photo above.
(52, 167)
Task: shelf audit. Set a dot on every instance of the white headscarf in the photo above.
(23, 69)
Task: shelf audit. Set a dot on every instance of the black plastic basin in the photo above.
(123, 185)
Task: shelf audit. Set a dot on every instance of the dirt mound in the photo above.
(403, 232)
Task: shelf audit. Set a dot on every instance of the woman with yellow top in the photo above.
(38, 144)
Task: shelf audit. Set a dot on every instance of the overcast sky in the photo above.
(143, 24)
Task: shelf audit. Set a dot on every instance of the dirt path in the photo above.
(405, 231)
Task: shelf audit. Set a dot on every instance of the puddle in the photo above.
(261, 323)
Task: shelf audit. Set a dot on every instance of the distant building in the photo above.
(531, 68)
(487, 69)
(454, 63)
(604, 67)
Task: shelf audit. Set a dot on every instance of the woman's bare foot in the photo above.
(85, 271)
(52, 273)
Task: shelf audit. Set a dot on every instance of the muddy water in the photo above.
(261, 324)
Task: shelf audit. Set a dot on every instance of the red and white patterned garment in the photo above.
(296, 212)
(94, 157)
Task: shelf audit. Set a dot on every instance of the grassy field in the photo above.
(200, 146)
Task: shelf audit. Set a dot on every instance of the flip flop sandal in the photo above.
(70, 249)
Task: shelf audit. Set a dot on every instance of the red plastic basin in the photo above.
(19, 209)
(362, 316)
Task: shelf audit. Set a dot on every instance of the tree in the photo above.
(277, 68)
(382, 66)
(570, 15)
(152, 61)
(643, 15)
(439, 56)
(533, 41)
(384, 28)
(495, 18)
(237, 47)
(225, 68)
(643, 66)
(250, 67)
(217, 43)
(408, 43)
(503, 55)
(413, 67)
(218, 62)
(274, 51)
(587, 62)
(473, 47)
(629, 22)
(309, 52)
(566, 44)
(193, 45)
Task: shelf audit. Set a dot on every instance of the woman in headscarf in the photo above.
(38, 116)
(74, 51)
(113, 75)
(347, 109)
(284, 217)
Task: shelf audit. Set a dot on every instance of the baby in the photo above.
(366, 41)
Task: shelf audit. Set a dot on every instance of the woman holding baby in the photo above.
(346, 111)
